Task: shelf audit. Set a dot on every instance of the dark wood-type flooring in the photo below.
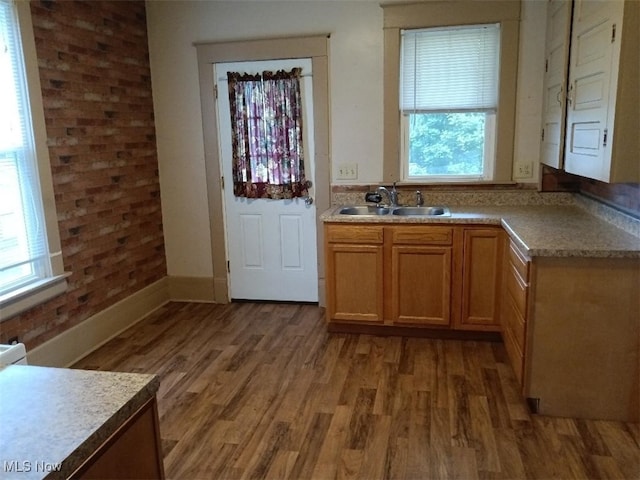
(251, 390)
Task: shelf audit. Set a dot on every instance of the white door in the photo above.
(555, 82)
(271, 244)
(595, 52)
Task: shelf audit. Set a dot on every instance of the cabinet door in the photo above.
(354, 282)
(593, 78)
(421, 284)
(555, 81)
(481, 279)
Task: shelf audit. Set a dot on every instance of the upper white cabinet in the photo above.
(555, 82)
(602, 92)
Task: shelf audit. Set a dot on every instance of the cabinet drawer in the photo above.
(515, 355)
(514, 323)
(354, 234)
(422, 235)
(517, 289)
(519, 261)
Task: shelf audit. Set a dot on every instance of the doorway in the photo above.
(316, 49)
(271, 244)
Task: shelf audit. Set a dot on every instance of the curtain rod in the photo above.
(303, 75)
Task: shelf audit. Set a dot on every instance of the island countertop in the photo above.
(53, 419)
(539, 230)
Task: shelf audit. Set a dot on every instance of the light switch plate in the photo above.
(347, 171)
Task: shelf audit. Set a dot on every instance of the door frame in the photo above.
(317, 49)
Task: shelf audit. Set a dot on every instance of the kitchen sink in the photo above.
(400, 211)
(364, 210)
(423, 211)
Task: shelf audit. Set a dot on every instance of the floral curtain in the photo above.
(266, 131)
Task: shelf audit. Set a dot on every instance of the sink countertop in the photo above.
(539, 230)
(58, 417)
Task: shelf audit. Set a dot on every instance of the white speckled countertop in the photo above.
(53, 419)
(540, 230)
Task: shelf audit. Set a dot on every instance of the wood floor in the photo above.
(259, 391)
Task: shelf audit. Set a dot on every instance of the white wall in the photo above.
(356, 61)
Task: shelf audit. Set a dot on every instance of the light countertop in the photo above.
(539, 230)
(53, 419)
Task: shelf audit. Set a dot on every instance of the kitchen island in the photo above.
(58, 422)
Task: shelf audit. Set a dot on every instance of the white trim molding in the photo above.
(75, 343)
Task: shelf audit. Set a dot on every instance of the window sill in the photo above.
(456, 183)
(28, 297)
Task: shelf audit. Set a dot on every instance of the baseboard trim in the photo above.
(192, 289)
(80, 340)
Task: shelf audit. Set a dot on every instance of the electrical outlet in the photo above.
(347, 171)
(524, 169)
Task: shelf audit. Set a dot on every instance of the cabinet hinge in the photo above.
(604, 138)
(543, 134)
(546, 65)
(228, 266)
(215, 91)
(613, 33)
(222, 183)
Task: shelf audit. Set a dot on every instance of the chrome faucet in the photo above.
(419, 198)
(392, 195)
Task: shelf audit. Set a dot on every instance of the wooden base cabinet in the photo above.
(436, 276)
(481, 278)
(571, 331)
(354, 257)
(421, 264)
(132, 452)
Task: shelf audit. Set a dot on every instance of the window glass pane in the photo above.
(23, 243)
(446, 144)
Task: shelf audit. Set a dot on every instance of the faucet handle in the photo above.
(419, 198)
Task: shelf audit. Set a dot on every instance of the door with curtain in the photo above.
(270, 218)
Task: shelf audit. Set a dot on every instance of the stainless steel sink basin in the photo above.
(364, 210)
(422, 211)
(401, 211)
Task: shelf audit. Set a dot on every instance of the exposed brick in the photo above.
(93, 61)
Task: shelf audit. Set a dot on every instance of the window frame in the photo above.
(19, 300)
(397, 17)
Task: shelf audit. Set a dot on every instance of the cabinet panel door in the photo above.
(482, 278)
(593, 73)
(355, 282)
(555, 81)
(421, 284)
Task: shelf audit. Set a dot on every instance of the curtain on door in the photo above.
(266, 134)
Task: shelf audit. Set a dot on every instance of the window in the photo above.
(266, 130)
(448, 102)
(26, 274)
(410, 130)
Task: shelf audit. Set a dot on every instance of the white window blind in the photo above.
(450, 69)
(24, 256)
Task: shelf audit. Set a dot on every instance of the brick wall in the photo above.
(94, 70)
